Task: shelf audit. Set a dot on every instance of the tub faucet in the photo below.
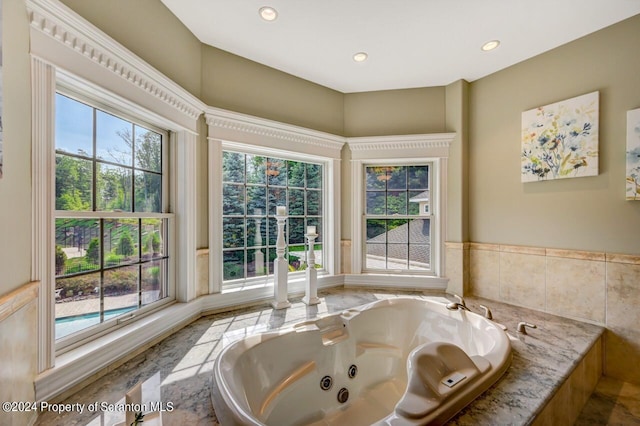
(522, 327)
(460, 304)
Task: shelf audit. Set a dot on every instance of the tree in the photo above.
(125, 244)
(61, 258)
(93, 252)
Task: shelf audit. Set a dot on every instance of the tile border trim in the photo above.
(16, 299)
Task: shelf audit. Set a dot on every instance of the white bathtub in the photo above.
(416, 362)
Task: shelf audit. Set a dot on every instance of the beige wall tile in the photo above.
(540, 251)
(576, 288)
(622, 355)
(18, 361)
(623, 317)
(484, 273)
(522, 279)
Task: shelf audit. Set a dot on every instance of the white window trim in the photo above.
(404, 149)
(67, 49)
(243, 133)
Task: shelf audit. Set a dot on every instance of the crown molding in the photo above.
(223, 120)
(420, 141)
(57, 21)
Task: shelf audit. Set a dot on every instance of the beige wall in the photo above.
(394, 112)
(15, 185)
(151, 31)
(238, 84)
(587, 213)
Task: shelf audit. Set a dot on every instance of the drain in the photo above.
(326, 382)
(343, 395)
(353, 370)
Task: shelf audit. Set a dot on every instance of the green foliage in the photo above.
(73, 183)
(125, 244)
(93, 252)
(152, 243)
(79, 264)
(113, 259)
(61, 258)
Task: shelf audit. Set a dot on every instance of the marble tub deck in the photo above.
(178, 370)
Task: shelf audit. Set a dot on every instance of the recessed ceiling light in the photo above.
(360, 57)
(490, 45)
(268, 13)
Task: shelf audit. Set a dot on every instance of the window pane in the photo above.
(314, 176)
(114, 139)
(296, 231)
(74, 126)
(297, 257)
(120, 289)
(153, 236)
(273, 231)
(77, 303)
(417, 202)
(233, 262)
(74, 187)
(419, 231)
(276, 172)
(148, 149)
(418, 177)
(121, 241)
(256, 200)
(114, 188)
(397, 256)
(232, 199)
(376, 256)
(232, 167)
(77, 246)
(296, 173)
(296, 202)
(376, 231)
(376, 178)
(317, 222)
(255, 238)
(314, 203)
(154, 284)
(396, 202)
(256, 166)
(148, 192)
(397, 178)
(277, 197)
(233, 232)
(256, 264)
(376, 202)
(397, 231)
(419, 256)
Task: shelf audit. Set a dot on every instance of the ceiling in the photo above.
(410, 43)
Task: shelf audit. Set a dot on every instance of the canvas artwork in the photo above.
(633, 154)
(560, 140)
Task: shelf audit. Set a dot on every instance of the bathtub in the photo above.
(399, 361)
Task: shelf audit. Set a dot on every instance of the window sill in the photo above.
(399, 281)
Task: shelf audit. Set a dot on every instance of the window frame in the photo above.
(68, 342)
(249, 283)
(405, 150)
(432, 187)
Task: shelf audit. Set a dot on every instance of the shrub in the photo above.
(93, 252)
(125, 244)
(61, 258)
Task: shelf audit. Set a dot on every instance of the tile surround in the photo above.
(18, 350)
(597, 287)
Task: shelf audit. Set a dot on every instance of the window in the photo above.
(111, 229)
(253, 185)
(397, 219)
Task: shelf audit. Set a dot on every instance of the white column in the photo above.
(281, 267)
(43, 83)
(311, 285)
(259, 255)
(185, 208)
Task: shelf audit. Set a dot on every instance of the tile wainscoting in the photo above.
(18, 351)
(597, 287)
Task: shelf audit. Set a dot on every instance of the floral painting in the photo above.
(633, 154)
(560, 140)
